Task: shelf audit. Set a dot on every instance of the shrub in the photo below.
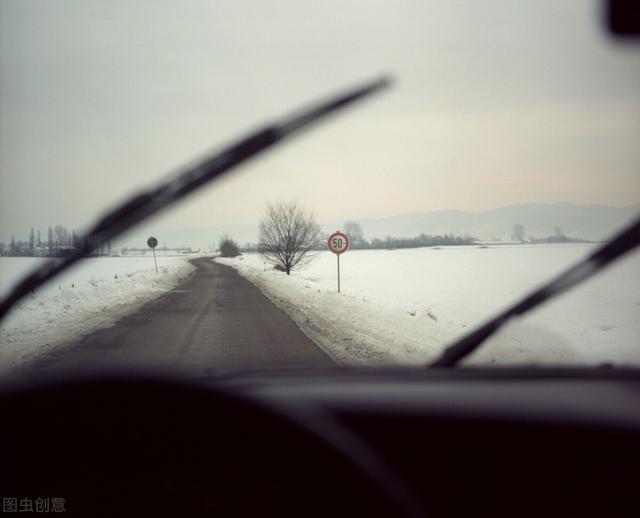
(228, 247)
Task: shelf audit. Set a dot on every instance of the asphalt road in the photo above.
(214, 322)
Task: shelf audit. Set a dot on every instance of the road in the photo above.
(214, 322)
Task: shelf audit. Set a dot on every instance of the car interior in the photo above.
(444, 440)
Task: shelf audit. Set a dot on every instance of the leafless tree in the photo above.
(518, 233)
(288, 234)
(62, 235)
(353, 229)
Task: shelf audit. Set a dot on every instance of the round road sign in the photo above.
(152, 242)
(338, 242)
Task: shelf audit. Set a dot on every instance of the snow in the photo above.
(405, 306)
(95, 293)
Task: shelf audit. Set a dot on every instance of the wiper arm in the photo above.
(155, 199)
(624, 242)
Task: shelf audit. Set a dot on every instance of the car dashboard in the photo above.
(387, 442)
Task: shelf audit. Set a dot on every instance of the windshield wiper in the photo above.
(624, 242)
(157, 198)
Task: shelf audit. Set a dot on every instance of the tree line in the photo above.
(58, 242)
(357, 241)
(519, 233)
(353, 229)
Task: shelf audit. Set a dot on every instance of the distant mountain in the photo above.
(591, 222)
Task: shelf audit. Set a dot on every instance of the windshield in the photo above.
(505, 152)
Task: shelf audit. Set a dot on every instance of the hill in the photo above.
(590, 222)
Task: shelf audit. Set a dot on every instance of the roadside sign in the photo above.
(338, 243)
(153, 242)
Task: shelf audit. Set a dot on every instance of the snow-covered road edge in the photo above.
(351, 330)
(48, 320)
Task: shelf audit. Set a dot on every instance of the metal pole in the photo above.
(338, 255)
(154, 258)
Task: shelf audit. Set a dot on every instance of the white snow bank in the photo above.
(96, 292)
(404, 306)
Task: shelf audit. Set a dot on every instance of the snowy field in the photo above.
(404, 306)
(96, 292)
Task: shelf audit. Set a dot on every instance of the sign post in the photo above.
(153, 242)
(338, 243)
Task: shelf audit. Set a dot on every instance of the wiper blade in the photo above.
(155, 199)
(624, 242)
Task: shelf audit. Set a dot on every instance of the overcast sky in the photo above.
(495, 103)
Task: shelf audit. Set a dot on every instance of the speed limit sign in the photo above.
(338, 242)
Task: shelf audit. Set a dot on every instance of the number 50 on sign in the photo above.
(338, 243)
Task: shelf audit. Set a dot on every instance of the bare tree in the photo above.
(287, 236)
(50, 244)
(353, 229)
(62, 235)
(32, 241)
(518, 233)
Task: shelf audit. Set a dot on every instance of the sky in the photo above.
(493, 104)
